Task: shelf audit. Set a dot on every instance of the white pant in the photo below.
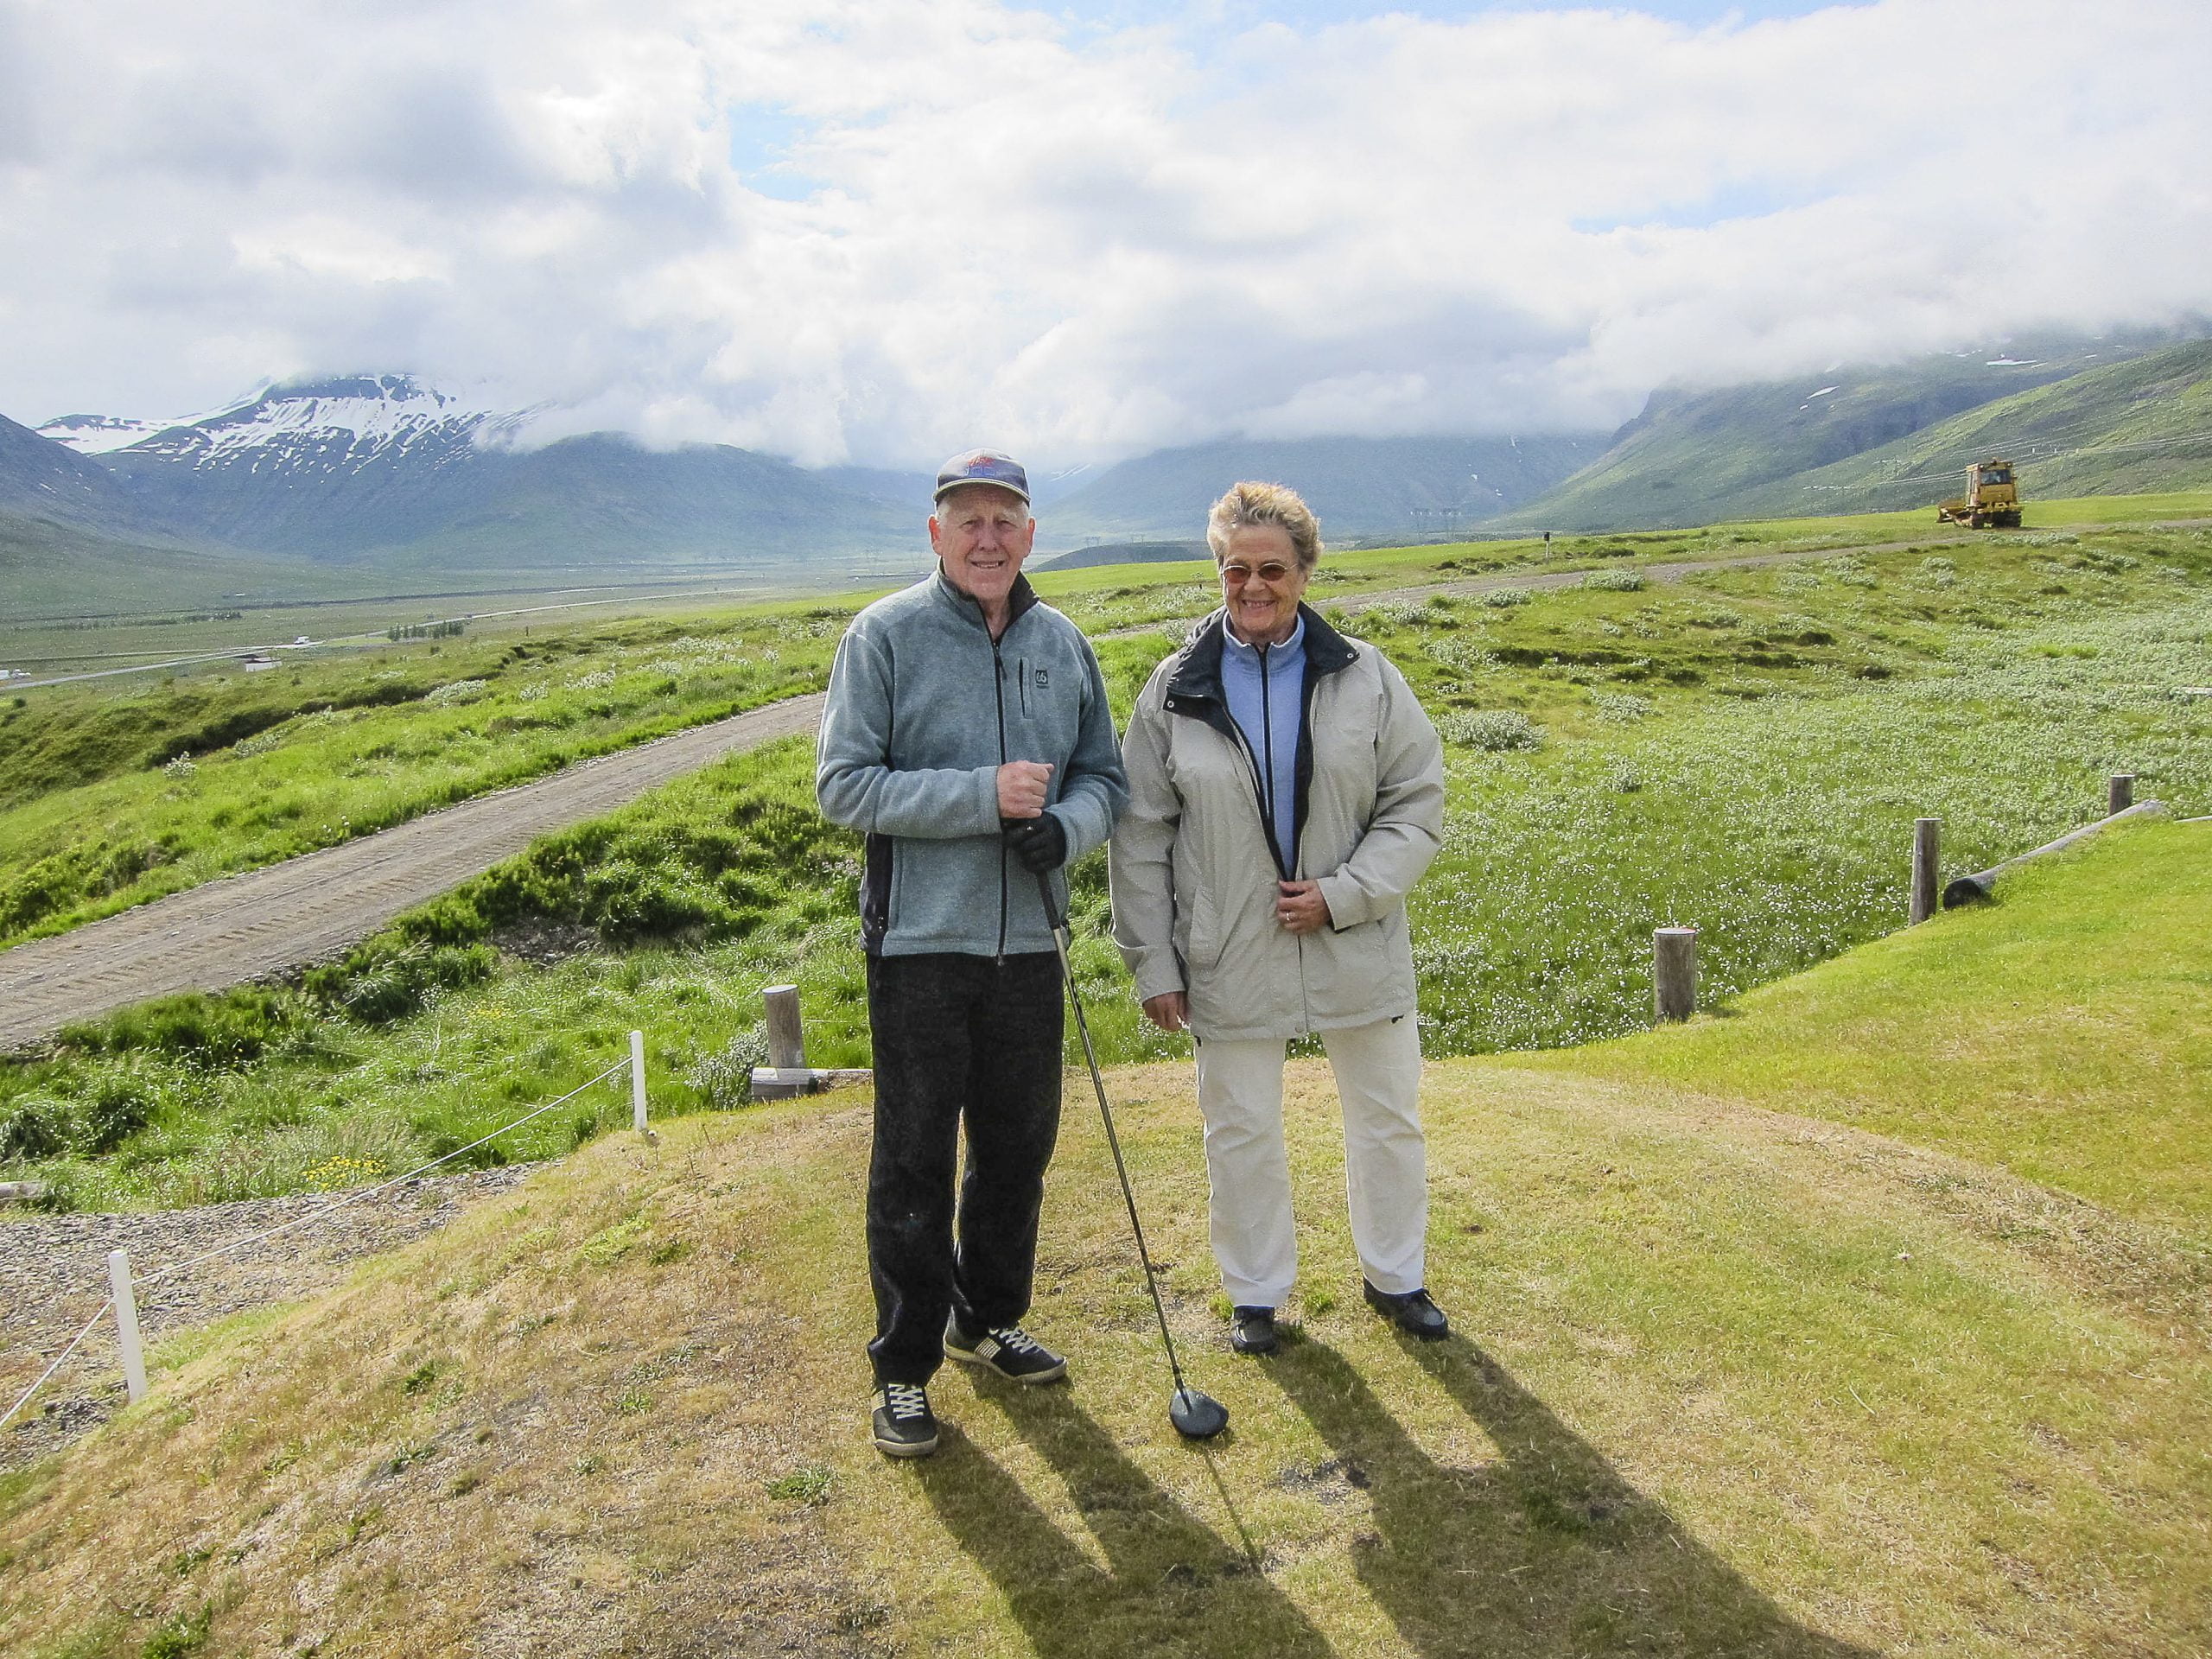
(1378, 1080)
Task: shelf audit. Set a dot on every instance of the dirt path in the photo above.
(308, 909)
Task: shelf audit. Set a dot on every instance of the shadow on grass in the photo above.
(1545, 1551)
(1171, 1585)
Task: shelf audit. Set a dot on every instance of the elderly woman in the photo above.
(1285, 791)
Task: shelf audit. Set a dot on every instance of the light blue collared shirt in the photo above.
(1265, 687)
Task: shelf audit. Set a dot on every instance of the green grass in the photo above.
(2060, 1033)
(1746, 751)
(1726, 1381)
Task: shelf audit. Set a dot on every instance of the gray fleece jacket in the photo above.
(923, 709)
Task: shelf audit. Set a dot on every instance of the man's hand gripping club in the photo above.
(1037, 838)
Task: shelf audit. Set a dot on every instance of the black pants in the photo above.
(957, 1038)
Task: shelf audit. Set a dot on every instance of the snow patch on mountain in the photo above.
(97, 435)
(328, 425)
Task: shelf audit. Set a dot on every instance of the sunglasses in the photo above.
(1273, 573)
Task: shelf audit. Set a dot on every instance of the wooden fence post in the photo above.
(1674, 972)
(638, 1081)
(786, 1040)
(2121, 795)
(126, 1324)
(1926, 861)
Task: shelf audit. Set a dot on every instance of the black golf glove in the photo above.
(1042, 843)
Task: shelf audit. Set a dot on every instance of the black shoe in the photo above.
(905, 1425)
(1415, 1312)
(1252, 1330)
(1007, 1348)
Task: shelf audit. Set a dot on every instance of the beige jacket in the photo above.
(1193, 876)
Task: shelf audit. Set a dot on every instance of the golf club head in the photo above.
(1196, 1416)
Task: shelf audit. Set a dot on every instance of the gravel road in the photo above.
(53, 1278)
(309, 909)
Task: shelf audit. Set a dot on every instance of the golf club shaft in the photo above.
(1113, 1140)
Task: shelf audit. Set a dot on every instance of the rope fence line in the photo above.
(123, 1302)
(74, 1342)
(361, 1195)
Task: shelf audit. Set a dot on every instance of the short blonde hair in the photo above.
(1265, 504)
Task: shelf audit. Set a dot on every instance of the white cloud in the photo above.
(1076, 242)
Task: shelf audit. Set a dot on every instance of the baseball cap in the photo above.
(983, 466)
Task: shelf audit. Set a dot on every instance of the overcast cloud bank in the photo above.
(876, 231)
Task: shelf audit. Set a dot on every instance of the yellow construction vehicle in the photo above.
(1991, 498)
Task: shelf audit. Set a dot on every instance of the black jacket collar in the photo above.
(1197, 676)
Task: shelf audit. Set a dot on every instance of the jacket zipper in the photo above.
(1268, 742)
(1275, 805)
(998, 692)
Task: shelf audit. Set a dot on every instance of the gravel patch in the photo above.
(54, 1277)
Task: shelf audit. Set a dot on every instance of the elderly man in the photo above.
(969, 738)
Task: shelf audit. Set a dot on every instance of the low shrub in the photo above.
(1615, 581)
(389, 977)
(117, 1106)
(1504, 599)
(223, 1030)
(1494, 729)
(724, 1077)
(1622, 705)
(35, 1126)
(1463, 657)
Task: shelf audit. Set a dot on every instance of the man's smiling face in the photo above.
(982, 533)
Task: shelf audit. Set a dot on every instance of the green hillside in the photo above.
(1691, 457)
(2060, 1034)
(1725, 1380)
(2127, 428)
(55, 569)
(1856, 440)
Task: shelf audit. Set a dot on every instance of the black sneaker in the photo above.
(905, 1425)
(1252, 1330)
(1007, 1348)
(1415, 1312)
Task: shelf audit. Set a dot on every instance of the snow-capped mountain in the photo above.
(338, 424)
(95, 434)
(385, 465)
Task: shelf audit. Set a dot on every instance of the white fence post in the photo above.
(126, 1324)
(638, 1081)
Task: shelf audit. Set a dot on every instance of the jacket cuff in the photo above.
(1157, 974)
(1348, 906)
(987, 799)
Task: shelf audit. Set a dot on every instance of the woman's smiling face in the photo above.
(1261, 583)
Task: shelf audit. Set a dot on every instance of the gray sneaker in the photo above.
(1007, 1348)
(904, 1424)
